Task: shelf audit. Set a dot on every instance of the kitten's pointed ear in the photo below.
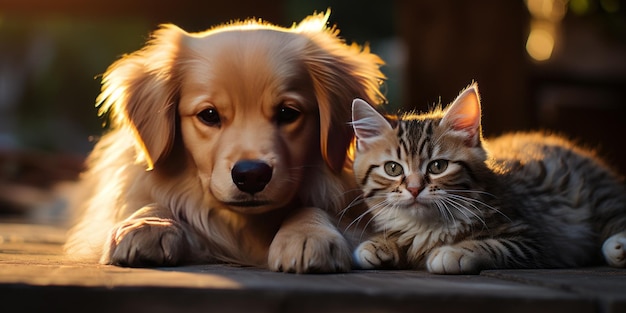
(368, 124)
(366, 121)
(464, 115)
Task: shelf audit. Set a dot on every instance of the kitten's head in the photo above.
(426, 167)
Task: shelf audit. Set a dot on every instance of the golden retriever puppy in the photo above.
(226, 146)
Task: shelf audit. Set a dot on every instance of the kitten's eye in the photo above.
(437, 166)
(209, 117)
(393, 169)
(286, 115)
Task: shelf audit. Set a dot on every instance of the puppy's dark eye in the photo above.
(287, 115)
(209, 117)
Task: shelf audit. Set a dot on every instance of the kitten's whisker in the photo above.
(358, 219)
(466, 198)
(471, 191)
(369, 210)
(447, 213)
(482, 203)
(382, 204)
(456, 206)
(462, 209)
(468, 201)
(379, 208)
(444, 211)
(356, 201)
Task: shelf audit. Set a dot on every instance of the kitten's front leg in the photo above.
(147, 238)
(379, 251)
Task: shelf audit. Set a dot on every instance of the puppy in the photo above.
(226, 146)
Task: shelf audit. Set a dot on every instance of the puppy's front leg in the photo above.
(149, 237)
(308, 242)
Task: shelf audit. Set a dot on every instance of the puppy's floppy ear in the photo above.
(140, 93)
(340, 73)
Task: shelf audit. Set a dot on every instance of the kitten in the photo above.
(445, 199)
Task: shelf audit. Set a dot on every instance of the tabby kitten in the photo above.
(445, 199)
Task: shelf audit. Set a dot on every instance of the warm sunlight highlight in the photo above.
(540, 43)
(546, 18)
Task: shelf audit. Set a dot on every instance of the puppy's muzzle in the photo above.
(251, 176)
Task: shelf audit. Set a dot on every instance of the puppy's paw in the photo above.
(145, 242)
(377, 253)
(614, 250)
(452, 260)
(309, 250)
(297, 252)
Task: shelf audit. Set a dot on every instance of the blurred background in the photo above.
(550, 64)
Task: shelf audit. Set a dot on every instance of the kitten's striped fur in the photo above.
(445, 199)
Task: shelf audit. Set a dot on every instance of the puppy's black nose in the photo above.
(251, 176)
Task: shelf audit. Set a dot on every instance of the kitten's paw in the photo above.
(614, 250)
(452, 260)
(373, 254)
(145, 242)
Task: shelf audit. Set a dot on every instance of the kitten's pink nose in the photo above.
(415, 184)
(415, 190)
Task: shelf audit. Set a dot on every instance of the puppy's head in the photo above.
(258, 108)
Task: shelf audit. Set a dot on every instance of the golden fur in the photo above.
(159, 190)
